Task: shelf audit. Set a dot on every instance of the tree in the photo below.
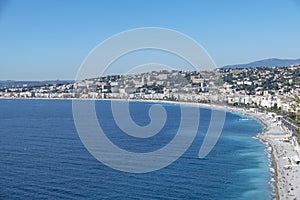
(296, 111)
(296, 108)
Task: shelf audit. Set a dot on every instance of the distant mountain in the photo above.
(17, 84)
(273, 62)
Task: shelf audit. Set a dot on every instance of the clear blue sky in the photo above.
(47, 39)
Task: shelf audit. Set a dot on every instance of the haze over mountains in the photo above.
(272, 62)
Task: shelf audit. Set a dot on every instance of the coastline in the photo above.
(286, 175)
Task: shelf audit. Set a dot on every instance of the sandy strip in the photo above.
(286, 172)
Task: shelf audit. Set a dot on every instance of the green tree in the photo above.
(296, 111)
(296, 108)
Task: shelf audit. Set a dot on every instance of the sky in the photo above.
(49, 40)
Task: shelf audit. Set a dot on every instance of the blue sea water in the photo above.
(42, 157)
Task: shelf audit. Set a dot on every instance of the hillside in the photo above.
(273, 62)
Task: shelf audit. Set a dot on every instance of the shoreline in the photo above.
(286, 176)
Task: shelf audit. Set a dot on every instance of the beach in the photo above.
(284, 151)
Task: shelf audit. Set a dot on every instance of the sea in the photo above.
(42, 156)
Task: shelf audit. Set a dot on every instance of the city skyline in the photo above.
(46, 41)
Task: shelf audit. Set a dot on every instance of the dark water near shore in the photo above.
(42, 157)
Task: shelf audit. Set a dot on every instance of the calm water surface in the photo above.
(42, 157)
